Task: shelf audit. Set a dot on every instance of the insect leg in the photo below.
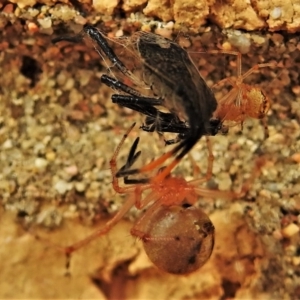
(159, 161)
(95, 34)
(118, 85)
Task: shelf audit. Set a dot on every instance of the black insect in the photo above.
(176, 83)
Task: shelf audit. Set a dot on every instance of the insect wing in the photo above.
(204, 99)
(169, 69)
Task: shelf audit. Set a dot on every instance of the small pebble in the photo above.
(8, 9)
(80, 186)
(296, 260)
(40, 163)
(50, 156)
(71, 170)
(8, 144)
(45, 23)
(62, 186)
(276, 13)
(296, 157)
(290, 230)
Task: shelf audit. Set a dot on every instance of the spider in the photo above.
(172, 76)
(177, 236)
(243, 100)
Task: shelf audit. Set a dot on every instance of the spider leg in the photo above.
(229, 80)
(235, 53)
(107, 227)
(229, 108)
(154, 164)
(179, 152)
(205, 192)
(210, 162)
(256, 68)
(256, 171)
(138, 228)
(132, 199)
(265, 125)
(201, 191)
(238, 57)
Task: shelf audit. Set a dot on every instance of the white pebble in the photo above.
(8, 144)
(290, 230)
(119, 33)
(45, 23)
(276, 13)
(224, 181)
(70, 82)
(240, 41)
(80, 186)
(62, 186)
(40, 163)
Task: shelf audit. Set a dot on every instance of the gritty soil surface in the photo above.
(59, 129)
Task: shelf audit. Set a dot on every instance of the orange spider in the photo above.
(177, 236)
(243, 100)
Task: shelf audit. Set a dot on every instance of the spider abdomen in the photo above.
(179, 239)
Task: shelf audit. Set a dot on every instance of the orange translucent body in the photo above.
(243, 100)
(253, 104)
